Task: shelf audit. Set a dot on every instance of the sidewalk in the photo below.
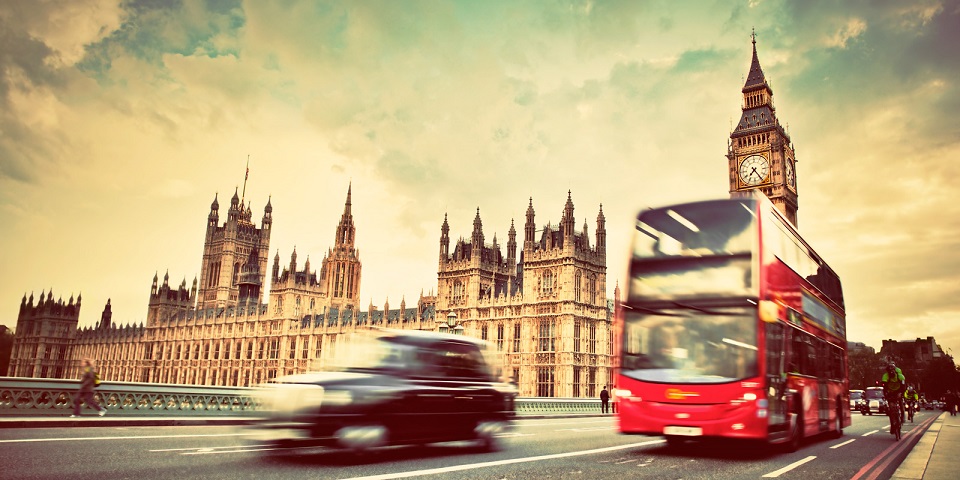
(935, 456)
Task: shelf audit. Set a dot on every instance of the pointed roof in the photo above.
(347, 205)
(755, 78)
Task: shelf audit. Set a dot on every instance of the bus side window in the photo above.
(809, 367)
(797, 351)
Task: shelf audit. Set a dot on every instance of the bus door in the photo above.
(776, 347)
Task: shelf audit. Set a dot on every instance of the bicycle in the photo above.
(895, 414)
(911, 409)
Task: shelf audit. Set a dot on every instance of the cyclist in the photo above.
(893, 381)
(912, 399)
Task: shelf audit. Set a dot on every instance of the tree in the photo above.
(865, 369)
(938, 376)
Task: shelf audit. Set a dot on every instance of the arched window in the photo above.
(592, 289)
(577, 282)
(546, 284)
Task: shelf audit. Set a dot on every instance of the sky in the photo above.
(120, 123)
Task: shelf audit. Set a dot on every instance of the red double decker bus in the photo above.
(733, 327)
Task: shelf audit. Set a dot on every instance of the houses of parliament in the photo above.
(541, 300)
(541, 303)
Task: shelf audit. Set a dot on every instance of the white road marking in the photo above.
(871, 432)
(267, 447)
(204, 448)
(590, 429)
(777, 473)
(534, 423)
(239, 450)
(78, 439)
(844, 443)
(472, 466)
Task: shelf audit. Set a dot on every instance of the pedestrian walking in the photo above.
(604, 400)
(89, 380)
(950, 399)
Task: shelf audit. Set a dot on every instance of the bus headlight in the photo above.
(762, 408)
(769, 311)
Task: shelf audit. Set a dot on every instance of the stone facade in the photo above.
(546, 310)
(554, 335)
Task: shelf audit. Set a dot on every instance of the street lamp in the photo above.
(452, 323)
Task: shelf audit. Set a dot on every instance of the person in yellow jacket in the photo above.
(912, 399)
(893, 381)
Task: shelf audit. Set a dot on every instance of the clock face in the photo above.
(791, 176)
(754, 169)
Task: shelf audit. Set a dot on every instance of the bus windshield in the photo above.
(695, 249)
(690, 345)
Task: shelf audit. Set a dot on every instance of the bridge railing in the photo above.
(53, 397)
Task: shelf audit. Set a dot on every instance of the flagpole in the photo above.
(243, 195)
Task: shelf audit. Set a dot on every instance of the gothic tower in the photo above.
(166, 303)
(561, 266)
(227, 248)
(45, 331)
(760, 154)
(340, 272)
(475, 270)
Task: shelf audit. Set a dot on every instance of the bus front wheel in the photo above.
(839, 432)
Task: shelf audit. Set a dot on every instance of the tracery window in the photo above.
(577, 283)
(546, 283)
(547, 341)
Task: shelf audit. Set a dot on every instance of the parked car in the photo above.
(390, 387)
(855, 397)
(873, 401)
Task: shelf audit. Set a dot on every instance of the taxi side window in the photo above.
(460, 361)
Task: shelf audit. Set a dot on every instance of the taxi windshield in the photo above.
(403, 355)
(874, 394)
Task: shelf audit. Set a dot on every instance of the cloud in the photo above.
(146, 110)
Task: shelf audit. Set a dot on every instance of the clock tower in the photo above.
(760, 155)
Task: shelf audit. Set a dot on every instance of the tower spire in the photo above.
(755, 78)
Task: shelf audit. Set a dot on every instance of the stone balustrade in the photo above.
(52, 397)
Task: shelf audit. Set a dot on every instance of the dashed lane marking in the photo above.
(472, 466)
(777, 473)
(844, 443)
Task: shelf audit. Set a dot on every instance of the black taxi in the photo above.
(391, 387)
